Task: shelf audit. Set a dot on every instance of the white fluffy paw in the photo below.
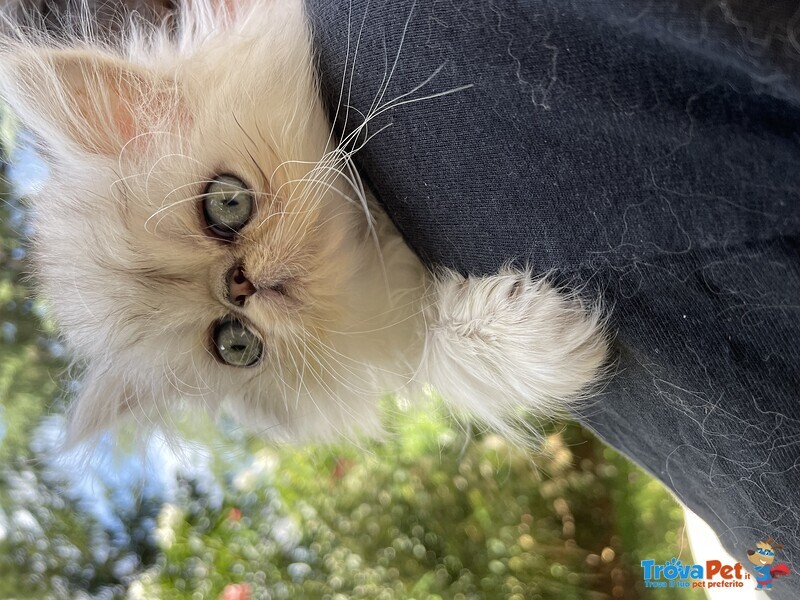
(505, 345)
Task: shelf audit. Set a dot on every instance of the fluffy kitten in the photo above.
(202, 239)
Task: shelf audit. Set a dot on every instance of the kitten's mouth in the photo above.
(240, 287)
(278, 291)
(279, 288)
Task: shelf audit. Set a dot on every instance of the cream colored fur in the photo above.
(133, 132)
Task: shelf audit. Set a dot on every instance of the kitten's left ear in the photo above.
(98, 103)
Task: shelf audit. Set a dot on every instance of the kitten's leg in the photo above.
(506, 344)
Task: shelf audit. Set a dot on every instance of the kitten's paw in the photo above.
(507, 342)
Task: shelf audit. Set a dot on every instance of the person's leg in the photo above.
(646, 156)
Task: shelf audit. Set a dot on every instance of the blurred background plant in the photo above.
(429, 512)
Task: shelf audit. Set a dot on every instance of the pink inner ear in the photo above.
(227, 10)
(163, 111)
(114, 107)
(142, 103)
(126, 124)
(133, 114)
(99, 103)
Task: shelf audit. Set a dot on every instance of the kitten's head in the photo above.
(195, 237)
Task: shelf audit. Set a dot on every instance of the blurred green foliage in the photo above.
(413, 517)
(426, 513)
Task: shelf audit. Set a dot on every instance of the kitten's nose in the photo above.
(239, 287)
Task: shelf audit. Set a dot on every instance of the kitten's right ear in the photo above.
(106, 399)
(87, 102)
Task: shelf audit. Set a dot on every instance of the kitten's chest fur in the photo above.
(384, 327)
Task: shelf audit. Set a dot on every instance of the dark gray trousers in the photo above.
(646, 150)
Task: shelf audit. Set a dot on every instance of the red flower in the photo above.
(236, 591)
(340, 468)
(235, 515)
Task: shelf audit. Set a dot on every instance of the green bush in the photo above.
(420, 515)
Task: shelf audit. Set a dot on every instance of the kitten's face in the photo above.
(193, 239)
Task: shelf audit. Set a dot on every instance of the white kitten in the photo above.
(201, 239)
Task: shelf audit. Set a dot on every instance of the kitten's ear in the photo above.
(105, 400)
(97, 103)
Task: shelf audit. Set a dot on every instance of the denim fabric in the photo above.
(645, 150)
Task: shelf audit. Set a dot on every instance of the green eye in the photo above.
(235, 344)
(227, 206)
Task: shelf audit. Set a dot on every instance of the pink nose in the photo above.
(239, 287)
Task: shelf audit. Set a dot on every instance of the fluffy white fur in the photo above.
(133, 132)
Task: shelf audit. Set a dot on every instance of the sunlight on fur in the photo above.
(205, 242)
